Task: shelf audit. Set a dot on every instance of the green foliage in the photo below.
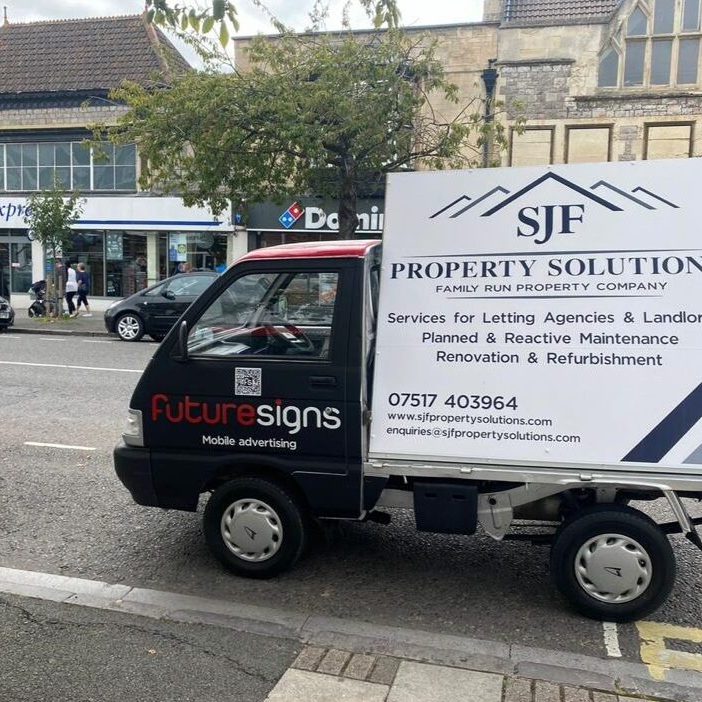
(224, 14)
(318, 113)
(51, 214)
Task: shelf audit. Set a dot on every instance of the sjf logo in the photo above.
(540, 222)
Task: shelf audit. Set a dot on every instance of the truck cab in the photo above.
(261, 395)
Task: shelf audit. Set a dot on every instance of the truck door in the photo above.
(266, 378)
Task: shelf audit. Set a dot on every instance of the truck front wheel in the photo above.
(613, 563)
(254, 527)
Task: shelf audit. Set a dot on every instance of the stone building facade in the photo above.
(592, 80)
(599, 80)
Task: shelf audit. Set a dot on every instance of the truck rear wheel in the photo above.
(254, 527)
(613, 563)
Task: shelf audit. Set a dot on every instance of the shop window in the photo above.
(587, 144)
(127, 273)
(89, 248)
(668, 141)
(195, 251)
(15, 262)
(533, 147)
(659, 46)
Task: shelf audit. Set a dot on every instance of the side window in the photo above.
(190, 285)
(158, 290)
(270, 314)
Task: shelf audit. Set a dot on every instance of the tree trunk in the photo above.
(348, 217)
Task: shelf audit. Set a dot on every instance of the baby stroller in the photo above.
(37, 293)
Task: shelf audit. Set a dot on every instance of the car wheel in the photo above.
(129, 327)
(254, 527)
(613, 563)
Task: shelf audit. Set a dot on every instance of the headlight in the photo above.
(111, 305)
(133, 433)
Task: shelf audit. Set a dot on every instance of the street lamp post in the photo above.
(489, 76)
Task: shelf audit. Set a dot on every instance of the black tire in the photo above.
(158, 338)
(129, 326)
(289, 521)
(632, 525)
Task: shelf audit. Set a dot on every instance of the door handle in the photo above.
(325, 381)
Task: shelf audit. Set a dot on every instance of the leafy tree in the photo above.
(50, 216)
(221, 15)
(320, 113)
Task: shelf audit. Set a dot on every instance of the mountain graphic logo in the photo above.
(602, 193)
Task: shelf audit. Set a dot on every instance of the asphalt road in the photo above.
(61, 652)
(65, 512)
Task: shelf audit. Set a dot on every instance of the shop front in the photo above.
(308, 219)
(126, 244)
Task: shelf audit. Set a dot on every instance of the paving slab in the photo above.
(304, 686)
(419, 682)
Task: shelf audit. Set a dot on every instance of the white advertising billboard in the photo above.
(545, 315)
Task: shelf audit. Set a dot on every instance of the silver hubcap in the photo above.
(613, 568)
(251, 529)
(128, 327)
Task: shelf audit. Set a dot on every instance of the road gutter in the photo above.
(607, 675)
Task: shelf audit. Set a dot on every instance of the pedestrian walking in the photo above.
(83, 278)
(71, 288)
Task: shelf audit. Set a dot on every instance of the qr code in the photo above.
(247, 381)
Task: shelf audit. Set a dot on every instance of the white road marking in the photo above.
(60, 446)
(50, 338)
(96, 341)
(611, 639)
(58, 365)
(10, 336)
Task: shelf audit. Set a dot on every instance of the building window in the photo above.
(691, 16)
(587, 144)
(687, 63)
(533, 147)
(659, 46)
(637, 26)
(609, 69)
(634, 63)
(668, 141)
(72, 165)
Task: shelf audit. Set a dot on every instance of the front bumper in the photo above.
(110, 324)
(133, 468)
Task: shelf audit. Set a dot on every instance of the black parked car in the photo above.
(156, 309)
(7, 314)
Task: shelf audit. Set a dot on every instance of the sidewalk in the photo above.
(80, 326)
(333, 675)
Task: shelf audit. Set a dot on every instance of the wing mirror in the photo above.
(169, 295)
